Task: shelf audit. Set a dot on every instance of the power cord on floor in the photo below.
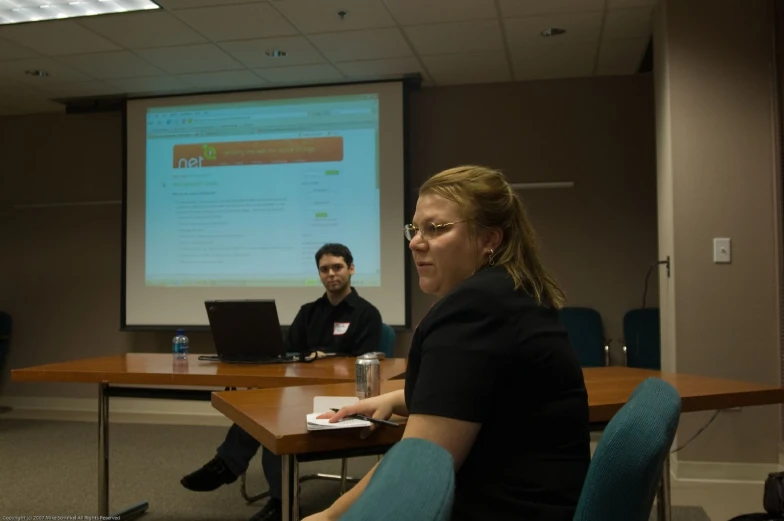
(715, 414)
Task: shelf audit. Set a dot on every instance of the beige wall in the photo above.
(598, 237)
(60, 271)
(664, 184)
(717, 178)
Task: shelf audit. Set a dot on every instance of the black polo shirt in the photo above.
(488, 354)
(353, 327)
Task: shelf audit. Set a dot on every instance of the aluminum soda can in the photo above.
(368, 376)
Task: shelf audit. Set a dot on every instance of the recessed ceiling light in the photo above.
(275, 53)
(37, 72)
(553, 31)
(39, 10)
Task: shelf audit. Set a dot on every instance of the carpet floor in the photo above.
(49, 468)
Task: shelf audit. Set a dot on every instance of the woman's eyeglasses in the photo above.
(427, 231)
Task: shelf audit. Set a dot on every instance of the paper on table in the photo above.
(322, 404)
(315, 424)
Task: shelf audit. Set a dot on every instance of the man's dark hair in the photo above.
(338, 250)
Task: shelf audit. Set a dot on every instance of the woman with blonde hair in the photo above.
(491, 375)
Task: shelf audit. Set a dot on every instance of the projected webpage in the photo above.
(244, 194)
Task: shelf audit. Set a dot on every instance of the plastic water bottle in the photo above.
(180, 345)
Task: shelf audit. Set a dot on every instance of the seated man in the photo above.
(339, 322)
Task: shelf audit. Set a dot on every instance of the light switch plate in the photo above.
(722, 251)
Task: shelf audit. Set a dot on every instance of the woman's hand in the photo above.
(380, 407)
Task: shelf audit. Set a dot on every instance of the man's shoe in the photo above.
(272, 511)
(211, 476)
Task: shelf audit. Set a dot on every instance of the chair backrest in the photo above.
(627, 465)
(414, 482)
(643, 338)
(586, 334)
(387, 340)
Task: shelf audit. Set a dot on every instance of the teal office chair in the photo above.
(414, 482)
(6, 325)
(388, 338)
(586, 334)
(642, 335)
(630, 457)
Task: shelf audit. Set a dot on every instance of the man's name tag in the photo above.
(340, 328)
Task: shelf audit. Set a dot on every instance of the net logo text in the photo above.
(207, 153)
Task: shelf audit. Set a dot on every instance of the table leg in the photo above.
(285, 490)
(295, 491)
(128, 514)
(663, 499)
(343, 475)
(103, 450)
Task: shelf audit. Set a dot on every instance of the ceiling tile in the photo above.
(105, 65)
(362, 45)
(190, 58)
(251, 52)
(456, 37)
(80, 89)
(30, 105)
(184, 4)
(300, 73)
(621, 56)
(150, 84)
(580, 28)
(554, 61)
(226, 79)
(512, 8)
(386, 67)
(58, 73)
(13, 87)
(416, 12)
(12, 51)
(455, 69)
(628, 23)
(57, 38)
(621, 4)
(237, 22)
(9, 110)
(321, 16)
(143, 30)
(26, 100)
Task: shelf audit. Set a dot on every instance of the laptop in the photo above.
(246, 332)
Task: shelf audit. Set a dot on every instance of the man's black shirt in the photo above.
(353, 327)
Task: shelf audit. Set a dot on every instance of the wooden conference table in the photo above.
(276, 417)
(147, 375)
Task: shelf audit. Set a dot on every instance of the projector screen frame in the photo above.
(409, 83)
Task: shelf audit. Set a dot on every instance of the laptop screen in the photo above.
(245, 329)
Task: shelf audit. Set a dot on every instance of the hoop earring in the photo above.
(491, 260)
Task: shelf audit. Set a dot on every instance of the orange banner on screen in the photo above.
(304, 150)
